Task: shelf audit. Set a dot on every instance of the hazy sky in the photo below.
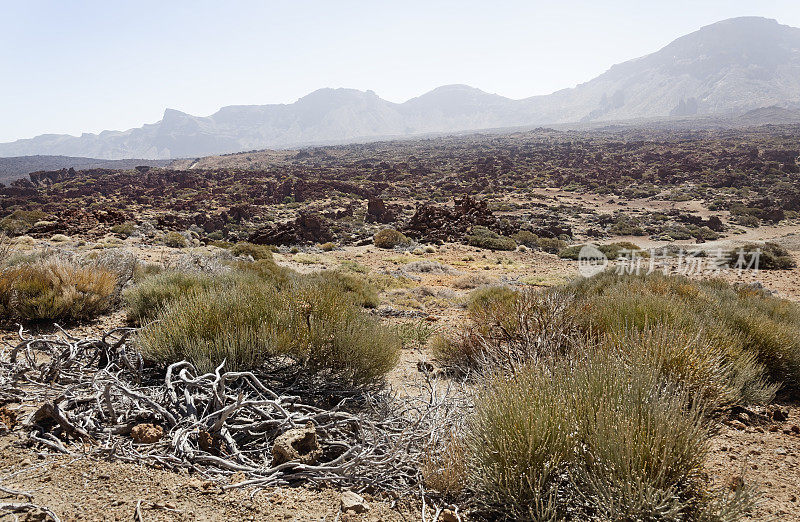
(85, 66)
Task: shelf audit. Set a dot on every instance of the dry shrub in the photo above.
(57, 290)
(445, 469)
(507, 328)
(592, 440)
(175, 240)
(312, 321)
(470, 281)
(751, 331)
(428, 267)
(257, 252)
(389, 238)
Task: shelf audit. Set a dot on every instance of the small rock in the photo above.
(297, 444)
(781, 451)
(354, 502)
(147, 433)
(738, 425)
(449, 516)
(777, 414)
(796, 429)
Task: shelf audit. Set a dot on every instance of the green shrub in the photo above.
(358, 289)
(156, 288)
(144, 300)
(249, 325)
(125, 229)
(591, 440)
(771, 256)
(257, 252)
(551, 245)
(611, 251)
(20, 221)
(389, 238)
(56, 290)
(527, 238)
(744, 324)
(328, 247)
(695, 361)
(482, 237)
(175, 240)
(547, 244)
(212, 325)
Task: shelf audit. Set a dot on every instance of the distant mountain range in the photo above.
(17, 167)
(722, 70)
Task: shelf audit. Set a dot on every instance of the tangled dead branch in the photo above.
(97, 391)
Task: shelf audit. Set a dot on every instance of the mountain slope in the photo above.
(723, 69)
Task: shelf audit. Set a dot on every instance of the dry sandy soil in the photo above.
(766, 453)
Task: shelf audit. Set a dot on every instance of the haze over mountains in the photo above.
(724, 69)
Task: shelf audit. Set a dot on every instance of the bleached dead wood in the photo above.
(95, 391)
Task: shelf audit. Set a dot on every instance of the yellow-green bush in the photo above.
(175, 240)
(144, 300)
(744, 335)
(746, 326)
(257, 252)
(252, 323)
(358, 289)
(389, 238)
(482, 237)
(56, 290)
(591, 440)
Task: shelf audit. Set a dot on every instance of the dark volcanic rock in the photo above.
(441, 223)
(307, 228)
(377, 212)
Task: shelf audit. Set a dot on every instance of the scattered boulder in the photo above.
(378, 212)
(441, 223)
(147, 433)
(307, 228)
(297, 445)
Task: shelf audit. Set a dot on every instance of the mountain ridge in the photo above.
(723, 69)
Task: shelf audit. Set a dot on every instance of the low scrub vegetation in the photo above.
(256, 315)
(546, 244)
(611, 250)
(257, 252)
(175, 240)
(309, 322)
(389, 238)
(598, 398)
(482, 237)
(591, 440)
(56, 290)
(769, 256)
